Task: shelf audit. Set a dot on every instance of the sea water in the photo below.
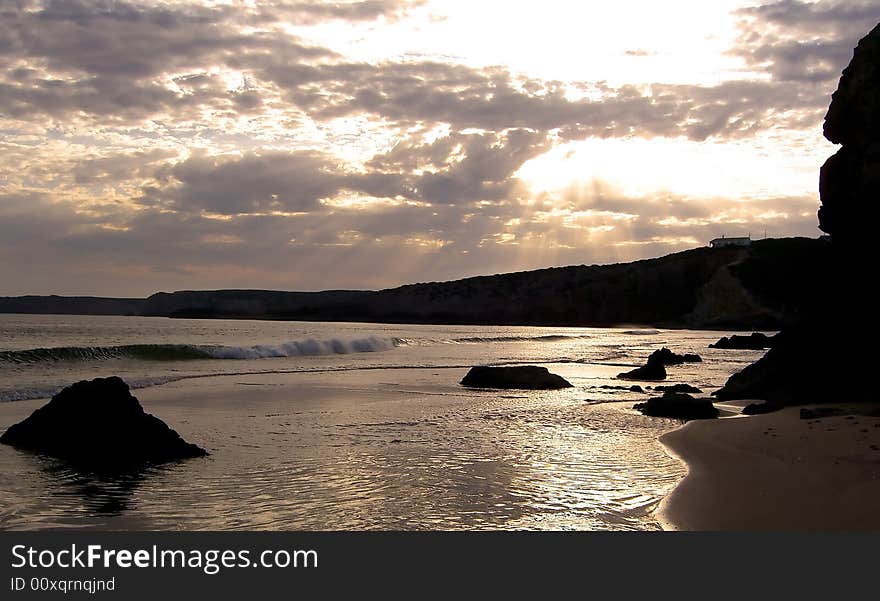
(352, 426)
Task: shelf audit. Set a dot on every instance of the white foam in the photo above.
(299, 348)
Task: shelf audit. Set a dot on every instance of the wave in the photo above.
(186, 352)
(641, 332)
(489, 339)
(547, 338)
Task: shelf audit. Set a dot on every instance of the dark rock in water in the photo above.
(761, 408)
(666, 357)
(756, 342)
(633, 388)
(98, 424)
(654, 368)
(820, 412)
(678, 405)
(650, 371)
(524, 377)
(679, 388)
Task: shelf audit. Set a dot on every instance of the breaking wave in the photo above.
(184, 352)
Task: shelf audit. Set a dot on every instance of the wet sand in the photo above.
(777, 472)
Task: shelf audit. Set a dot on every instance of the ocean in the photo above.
(352, 426)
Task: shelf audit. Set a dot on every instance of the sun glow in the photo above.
(756, 168)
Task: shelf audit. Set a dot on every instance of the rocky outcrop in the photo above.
(98, 425)
(755, 342)
(678, 388)
(521, 377)
(817, 359)
(761, 408)
(649, 372)
(654, 368)
(666, 357)
(849, 182)
(633, 388)
(678, 405)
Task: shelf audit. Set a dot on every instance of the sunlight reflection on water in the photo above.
(396, 448)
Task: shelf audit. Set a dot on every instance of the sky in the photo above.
(153, 145)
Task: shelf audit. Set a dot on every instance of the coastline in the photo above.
(776, 472)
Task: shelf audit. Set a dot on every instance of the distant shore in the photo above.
(777, 472)
(764, 286)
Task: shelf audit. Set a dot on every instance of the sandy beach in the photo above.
(777, 472)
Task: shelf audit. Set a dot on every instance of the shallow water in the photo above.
(383, 439)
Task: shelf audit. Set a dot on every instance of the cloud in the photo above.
(804, 41)
(184, 145)
(258, 183)
(492, 99)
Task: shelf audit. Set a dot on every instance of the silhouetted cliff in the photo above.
(764, 286)
(828, 354)
(71, 305)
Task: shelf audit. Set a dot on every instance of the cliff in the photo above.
(71, 305)
(824, 358)
(760, 286)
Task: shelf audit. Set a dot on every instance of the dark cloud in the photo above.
(105, 58)
(261, 182)
(804, 41)
(108, 59)
(429, 92)
(306, 13)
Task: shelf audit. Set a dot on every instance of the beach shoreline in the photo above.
(777, 472)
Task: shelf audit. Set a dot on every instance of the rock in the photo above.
(666, 357)
(649, 371)
(678, 405)
(654, 368)
(98, 425)
(811, 364)
(822, 358)
(633, 388)
(820, 412)
(761, 408)
(525, 377)
(679, 388)
(757, 341)
(854, 115)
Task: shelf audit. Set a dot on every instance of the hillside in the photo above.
(762, 286)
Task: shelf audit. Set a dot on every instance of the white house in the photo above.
(722, 241)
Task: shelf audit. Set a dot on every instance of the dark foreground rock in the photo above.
(678, 405)
(523, 377)
(820, 412)
(761, 408)
(678, 388)
(826, 356)
(756, 342)
(810, 364)
(98, 424)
